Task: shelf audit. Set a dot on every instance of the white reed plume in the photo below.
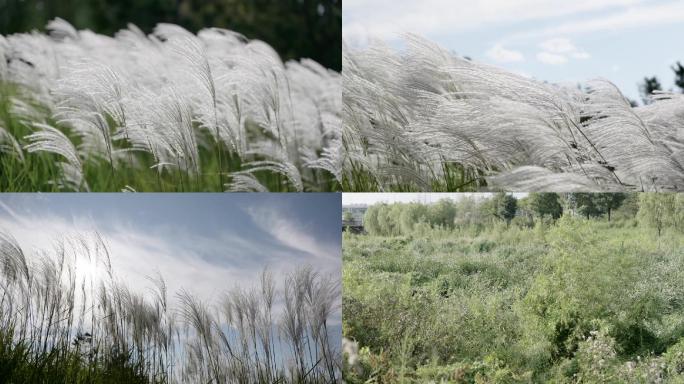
(175, 101)
(426, 119)
(50, 139)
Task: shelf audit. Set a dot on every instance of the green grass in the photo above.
(18, 364)
(576, 301)
(453, 178)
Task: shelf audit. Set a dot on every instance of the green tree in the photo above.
(608, 202)
(583, 204)
(295, 28)
(629, 207)
(545, 204)
(657, 210)
(678, 212)
(411, 214)
(442, 213)
(386, 222)
(502, 206)
(370, 220)
(647, 87)
(469, 212)
(679, 75)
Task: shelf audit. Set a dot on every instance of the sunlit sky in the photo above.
(204, 243)
(553, 40)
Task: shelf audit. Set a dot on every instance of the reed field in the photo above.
(425, 119)
(169, 111)
(467, 292)
(66, 317)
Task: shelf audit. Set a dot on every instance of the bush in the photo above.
(570, 301)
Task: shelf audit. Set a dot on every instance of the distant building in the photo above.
(352, 217)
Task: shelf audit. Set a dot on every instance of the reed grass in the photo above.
(169, 111)
(425, 119)
(59, 325)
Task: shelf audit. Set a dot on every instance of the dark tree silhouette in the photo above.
(295, 28)
(649, 85)
(546, 204)
(679, 75)
(503, 206)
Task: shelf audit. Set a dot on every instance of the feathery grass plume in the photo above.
(426, 119)
(8, 144)
(4, 47)
(60, 29)
(245, 182)
(308, 302)
(86, 106)
(176, 110)
(50, 139)
(192, 51)
(14, 264)
(65, 316)
(330, 159)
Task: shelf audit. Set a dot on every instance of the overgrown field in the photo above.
(575, 301)
(65, 317)
(169, 111)
(424, 119)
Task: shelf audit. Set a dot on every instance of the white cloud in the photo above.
(558, 45)
(558, 50)
(204, 265)
(581, 55)
(134, 255)
(387, 18)
(551, 58)
(646, 15)
(292, 234)
(503, 55)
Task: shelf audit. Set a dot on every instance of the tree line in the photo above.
(654, 210)
(652, 84)
(295, 28)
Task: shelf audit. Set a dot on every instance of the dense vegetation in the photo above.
(424, 119)
(168, 111)
(462, 294)
(65, 317)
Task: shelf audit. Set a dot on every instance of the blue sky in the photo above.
(205, 243)
(554, 40)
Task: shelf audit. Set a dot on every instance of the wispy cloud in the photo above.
(558, 50)
(535, 36)
(8, 210)
(203, 263)
(502, 55)
(646, 15)
(278, 223)
(386, 18)
(134, 255)
(551, 58)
